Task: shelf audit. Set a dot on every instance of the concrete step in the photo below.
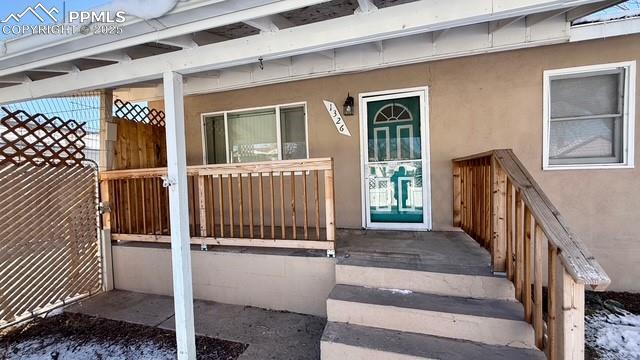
(346, 341)
(462, 281)
(489, 321)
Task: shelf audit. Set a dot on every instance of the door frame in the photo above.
(363, 99)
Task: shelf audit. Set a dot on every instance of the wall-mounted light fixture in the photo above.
(347, 108)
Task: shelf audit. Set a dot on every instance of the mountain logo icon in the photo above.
(39, 11)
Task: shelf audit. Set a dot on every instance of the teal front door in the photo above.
(394, 167)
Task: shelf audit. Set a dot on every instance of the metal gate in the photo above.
(49, 240)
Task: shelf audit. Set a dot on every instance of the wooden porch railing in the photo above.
(497, 202)
(288, 204)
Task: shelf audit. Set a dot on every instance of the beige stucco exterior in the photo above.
(476, 103)
(272, 281)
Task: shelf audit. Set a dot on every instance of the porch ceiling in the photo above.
(224, 40)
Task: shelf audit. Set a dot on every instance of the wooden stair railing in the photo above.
(498, 203)
(288, 204)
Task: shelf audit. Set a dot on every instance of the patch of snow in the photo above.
(608, 16)
(614, 336)
(398, 291)
(48, 347)
(57, 311)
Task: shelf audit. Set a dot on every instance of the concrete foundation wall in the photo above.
(279, 282)
(476, 103)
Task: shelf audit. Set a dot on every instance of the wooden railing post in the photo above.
(202, 204)
(538, 320)
(519, 245)
(464, 218)
(231, 202)
(511, 225)
(498, 215)
(487, 200)
(329, 199)
(457, 194)
(221, 204)
(552, 301)
(241, 205)
(529, 228)
(468, 201)
(571, 318)
(472, 205)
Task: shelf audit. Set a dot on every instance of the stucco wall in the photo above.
(279, 282)
(476, 103)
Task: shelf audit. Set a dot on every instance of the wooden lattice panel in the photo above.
(137, 113)
(40, 140)
(49, 250)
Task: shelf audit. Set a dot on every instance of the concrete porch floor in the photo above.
(270, 334)
(452, 252)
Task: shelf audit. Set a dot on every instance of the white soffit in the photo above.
(27, 52)
(440, 17)
(500, 36)
(457, 42)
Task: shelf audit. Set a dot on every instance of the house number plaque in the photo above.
(341, 126)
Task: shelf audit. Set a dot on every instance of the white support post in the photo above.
(108, 130)
(179, 212)
(107, 140)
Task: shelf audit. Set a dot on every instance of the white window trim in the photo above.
(386, 139)
(375, 117)
(278, 128)
(423, 92)
(628, 116)
(399, 128)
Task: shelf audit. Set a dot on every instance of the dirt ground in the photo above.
(77, 336)
(631, 301)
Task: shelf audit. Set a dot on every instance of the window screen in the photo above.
(293, 130)
(586, 118)
(215, 137)
(253, 136)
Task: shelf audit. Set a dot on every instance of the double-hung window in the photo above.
(589, 116)
(264, 134)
